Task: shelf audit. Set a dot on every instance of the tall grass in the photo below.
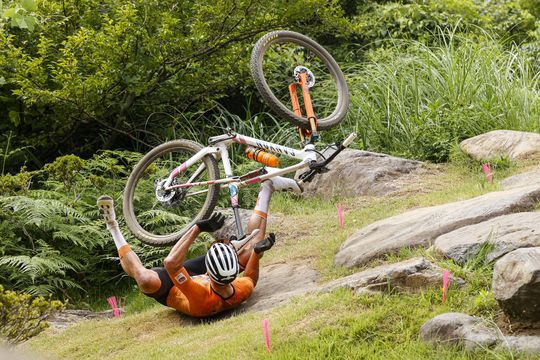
(417, 101)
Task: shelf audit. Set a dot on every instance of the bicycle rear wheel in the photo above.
(158, 217)
(273, 60)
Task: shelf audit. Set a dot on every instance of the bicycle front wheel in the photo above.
(274, 59)
(158, 217)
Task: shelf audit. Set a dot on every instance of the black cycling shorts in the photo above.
(196, 266)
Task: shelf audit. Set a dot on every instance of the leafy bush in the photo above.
(23, 316)
(375, 22)
(96, 71)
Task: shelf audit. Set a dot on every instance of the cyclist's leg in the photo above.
(147, 280)
(257, 221)
(260, 213)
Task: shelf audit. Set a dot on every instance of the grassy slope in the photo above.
(335, 325)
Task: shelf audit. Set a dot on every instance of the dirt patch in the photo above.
(512, 327)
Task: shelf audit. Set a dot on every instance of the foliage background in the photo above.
(107, 80)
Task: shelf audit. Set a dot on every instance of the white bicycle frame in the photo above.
(219, 149)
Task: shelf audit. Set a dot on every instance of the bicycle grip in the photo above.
(349, 140)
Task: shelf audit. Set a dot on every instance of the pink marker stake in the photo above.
(486, 168)
(266, 334)
(445, 284)
(341, 215)
(114, 306)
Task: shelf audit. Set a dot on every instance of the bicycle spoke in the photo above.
(162, 213)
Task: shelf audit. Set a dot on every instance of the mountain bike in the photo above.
(178, 182)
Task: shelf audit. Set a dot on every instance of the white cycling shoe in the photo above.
(281, 183)
(106, 209)
(239, 244)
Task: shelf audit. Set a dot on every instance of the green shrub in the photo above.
(375, 22)
(23, 316)
(97, 71)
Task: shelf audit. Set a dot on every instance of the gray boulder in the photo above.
(523, 179)
(420, 227)
(279, 283)
(412, 274)
(355, 173)
(516, 284)
(469, 332)
(530, 344)
(457, 329)
(229, 228)
(515, 145)
(499, 236)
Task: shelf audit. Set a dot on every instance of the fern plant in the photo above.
(52, 238)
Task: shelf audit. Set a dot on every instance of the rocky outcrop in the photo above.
(409, 275)
(497, 237)
(278, 283)
(515, 145)
(229, 228)
(420, 227)
(66, 318)
(412, 274)
(355, 173)
(457, 329)
(516, 284)
(523, 179)
(469, 332)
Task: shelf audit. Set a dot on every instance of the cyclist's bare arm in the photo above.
(252, 267)
(175, 260)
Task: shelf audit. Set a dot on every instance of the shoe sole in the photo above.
(105, 204)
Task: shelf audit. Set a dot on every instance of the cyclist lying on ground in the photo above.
(206, 285)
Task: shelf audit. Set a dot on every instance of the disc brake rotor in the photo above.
(302, 69)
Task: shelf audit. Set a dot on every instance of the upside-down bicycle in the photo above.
(178, 182)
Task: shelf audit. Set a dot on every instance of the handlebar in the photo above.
(319, 167)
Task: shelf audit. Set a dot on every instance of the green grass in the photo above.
(416, 101)
(336, 325)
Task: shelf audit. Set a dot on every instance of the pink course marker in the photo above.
(486, 168)
(114, 306)
(266, 334)
(446, 283)
(341, 215)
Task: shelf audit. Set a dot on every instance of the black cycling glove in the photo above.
(265, 244)
(211, 224)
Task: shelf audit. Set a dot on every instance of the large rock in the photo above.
(499, 236)
(420, 227)
(229, 227)
(457, 329)
(515, 145)
(516, 284)
(279, 283)
(66, 318)
(464, 331)
(523, 179)
(412, 274)
(355, 172)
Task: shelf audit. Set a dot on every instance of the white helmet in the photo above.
(222, 263)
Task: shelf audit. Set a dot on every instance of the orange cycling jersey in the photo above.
(194, 296)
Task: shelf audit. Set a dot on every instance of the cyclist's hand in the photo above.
(211, 224)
